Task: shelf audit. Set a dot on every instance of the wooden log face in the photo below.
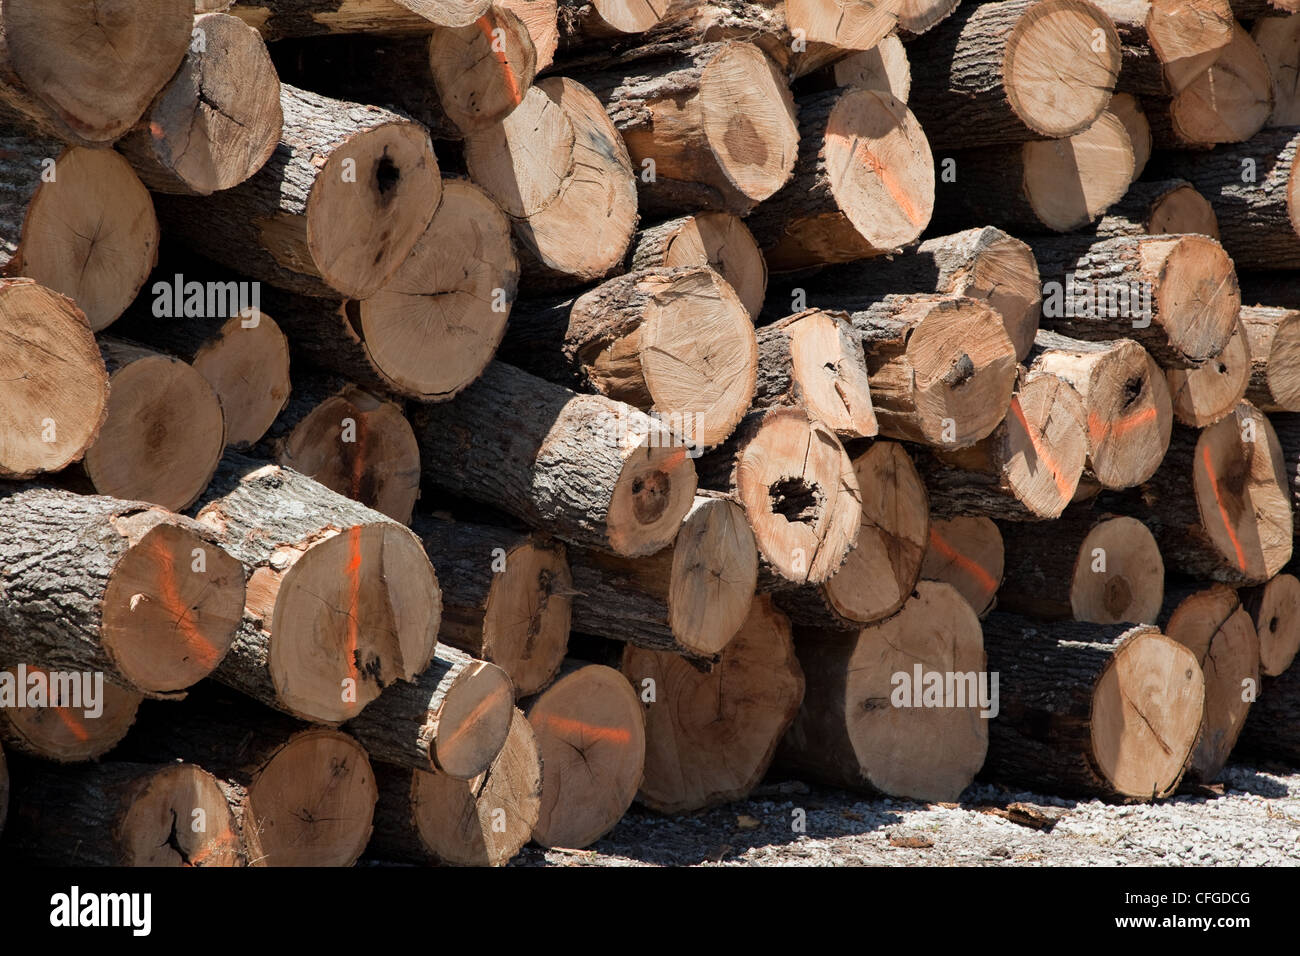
(1273, 343)
(1275, 609)
(155, 830)
(482, 69)
(1279, 44)
(1128, 110)
(966, 553)
(1096, 164)
(68, 734)
(1183, 210)
(705, 609)
(716, 239)
(1202, 396)
(1227, 102)
(473, 720)
(917, 16)
(1118, 574)
(844, 24)
(248, 367)
(526, 625)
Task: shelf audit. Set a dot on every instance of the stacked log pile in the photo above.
(429, 427)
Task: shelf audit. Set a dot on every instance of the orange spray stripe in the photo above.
(75, 727)
(1062, 483)
(354, 596)
(569, 726)
(890, 182)
(972, 568)
(471, 718)
(222, 839)
(174, 604)
(1223, 512)
(1099, 428)
(485, 26)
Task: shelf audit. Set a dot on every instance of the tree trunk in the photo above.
(968, 554)
(715, 239)
(65, 734)
(1164, 207)
(1202, 396)
(1273, 340)
(1273, 607)
(283, 19)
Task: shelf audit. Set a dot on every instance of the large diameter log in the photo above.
(218, 120)
(1273, 344)
(1107, 710)
(342, 601)
(281, 19)
(710, 737)
(863, 183)
(812, 360)
(1015, 71)
(53, 384)
(548, 164)
(435, 818)
(120, 814)
(1278, 39)
(942, 368)
(967, 553)
(86, 72)
(591, 735)
(146, 597)
(76, 220)
(1212, 624)
(800, 494)
(1177, 296)
(589, 469)
(1159, 208)
(506, 597)
(84, 725)
(689, 599)
(1275, 609)
(716, 239)
(164, 431)
(1273, 721)
(1202, 396)
(864, 723)
(1125, 397)
(335, 211)
(677, 343)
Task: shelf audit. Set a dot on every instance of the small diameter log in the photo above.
(336, 210)
(863, 183)
(1278, 39)
(76, 220)
(86, 72)
(677, 343)
(689, 599)
(120, 814)
(592, 20)
(591, 735)
(1126, 400)
(506, 597)
(80, 729)
(164, 431)
(941, 368)
(917, 16)
(342, 600)
(1232, 521)
(1275, 609)
(814, 361)
(1056, 185)
(885, 67)
(541, 20)
(283, 19)
(1177, 296)
(1202, 396)
(1272, 730)
(53, 385)
(548, 164)
(590, 470)
(716, 239)
(1128, 110)
(1273, 343)
(881, 571)
(435, 818)
(1159, 208)
(142, 595)
(1212, 624)
(1028, 469)
(799, 491)
(1015, 71)
(218, 120)
(968, 554)
(870, 719)
(1107, 710)
(710, 737)
(453, 718)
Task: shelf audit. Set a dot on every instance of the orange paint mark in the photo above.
(75, 726)
(222, 840)
(567, 725)
(1098, 428)
(1062, 482)
(1223, 512)
(156, 130)
(485, 27)
(173, 603)
(891, 184)
(472, 717)
(975, 570)
(353, 572)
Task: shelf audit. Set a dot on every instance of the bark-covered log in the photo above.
(1273, 344)
(80, 728)
(1202, 396)
(1159, 208)
(1275, 609)
(1165, 44)
(716, 239)
(281, 19)
(967, 553)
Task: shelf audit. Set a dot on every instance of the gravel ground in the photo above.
(1250, 818)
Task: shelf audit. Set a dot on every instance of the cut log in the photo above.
(541, 20)
(1028, 469)
(506, 597)
(1274, 719)
(595, 19)
(885, 67)
(710, 737)
(87, 71)
(689, 599)
(1273, 346)
(336, 210)
(81, 729)
(881, 571)
(799, 491)
(1126, 399)
(1212, 624)
(282, 19)
(1177, 296)
(1107, 710)
(1015, 71)
(942, 368)
(1275, 609)
(53, 385)
(863, 183)
(1165, 44)
(341, 602)
(1160, 208)
(219, 119)
(164, 431)
(76, 220)
(715, 239)
(863, 724)
(591, 735)
(917, 16)
(677, 343)
(1127, 108)
(1232, 521)
(146, 597)
(1278, 39)
(812, 360)
(842, 24)
(1202, 396)
(120, 814)
(968, 554)
(435, 818)
(590, 470)
(548, 164)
